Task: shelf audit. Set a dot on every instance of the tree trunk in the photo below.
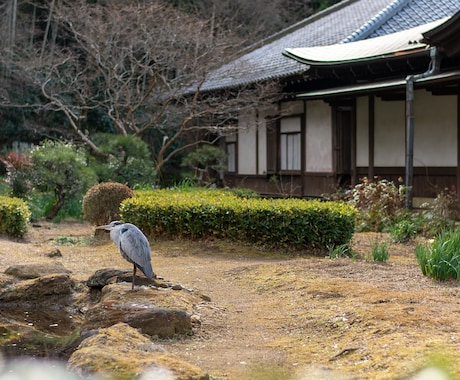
(57, 206)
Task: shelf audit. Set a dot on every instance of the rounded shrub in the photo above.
(14, 216)
(101, 203)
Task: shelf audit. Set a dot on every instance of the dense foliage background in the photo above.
(72, 69)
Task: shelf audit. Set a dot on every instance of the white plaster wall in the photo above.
(318, 137)
(290, 124)
(247, 138)
(262, 136)
(389, 133)
(291, 108)
(362, 131)
(435, 130)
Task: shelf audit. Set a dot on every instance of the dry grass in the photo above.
(288, 313)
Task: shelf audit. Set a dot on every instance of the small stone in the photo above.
(177, 287)
(54, 253)
(205, 298)
(195, 319)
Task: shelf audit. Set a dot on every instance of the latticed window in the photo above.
(230, 148)
(290, 137)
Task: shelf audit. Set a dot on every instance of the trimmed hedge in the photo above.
(197, 214)
(14, 216)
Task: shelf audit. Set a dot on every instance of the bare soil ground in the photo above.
(274, 315)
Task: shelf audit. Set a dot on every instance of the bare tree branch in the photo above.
(131, 64)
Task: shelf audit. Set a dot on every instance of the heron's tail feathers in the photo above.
(147, 270)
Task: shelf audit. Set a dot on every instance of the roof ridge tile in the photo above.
(379, 19)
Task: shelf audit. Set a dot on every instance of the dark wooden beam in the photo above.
(371, 122)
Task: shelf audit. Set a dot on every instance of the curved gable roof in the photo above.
(267, 61)
(347, 21)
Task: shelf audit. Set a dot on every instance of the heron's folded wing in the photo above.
(136, 246)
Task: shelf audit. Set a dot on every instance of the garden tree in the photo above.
(207, 162)
(128, 160)
(8, 28)
(257, 18)
(60, 168)
(130, 64)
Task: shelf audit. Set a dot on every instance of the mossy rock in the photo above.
(120, 351)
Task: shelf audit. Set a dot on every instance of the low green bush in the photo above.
(202, 213)
(406, 228)
(14, 216)
(440, 259)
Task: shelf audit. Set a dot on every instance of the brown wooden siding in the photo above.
(428, 182)
(308, 185)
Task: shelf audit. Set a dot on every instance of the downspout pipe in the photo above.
(410, 80)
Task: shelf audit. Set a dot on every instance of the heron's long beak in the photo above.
(106, 227)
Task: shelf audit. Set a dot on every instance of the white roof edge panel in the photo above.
(405, 41)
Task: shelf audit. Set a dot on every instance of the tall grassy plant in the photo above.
(380, 251)
(440, 260)
(343, 250)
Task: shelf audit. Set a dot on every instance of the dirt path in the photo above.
(272, 315)
(236, 330)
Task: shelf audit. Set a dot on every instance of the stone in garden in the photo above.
(27, 271)
(38, 288)
(148, 318)
(54, 253)
(157, 312)
(121, 351)
(103, 277)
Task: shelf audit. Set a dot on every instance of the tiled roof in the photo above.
(267, 62)
(347, 21)
(405, 14)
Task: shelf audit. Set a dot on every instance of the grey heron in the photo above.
(133, 245)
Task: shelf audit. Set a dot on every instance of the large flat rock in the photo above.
(121, 351)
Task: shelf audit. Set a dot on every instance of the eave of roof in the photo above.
(445, 35)
(392, 45)
(372, 87)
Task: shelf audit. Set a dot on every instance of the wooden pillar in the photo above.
(371, 122)
(458, 144)
(353, 176)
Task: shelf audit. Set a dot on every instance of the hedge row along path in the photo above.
(275, 314)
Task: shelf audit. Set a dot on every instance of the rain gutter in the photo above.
(410, 80)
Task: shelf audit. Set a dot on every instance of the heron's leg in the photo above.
(134, 275)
